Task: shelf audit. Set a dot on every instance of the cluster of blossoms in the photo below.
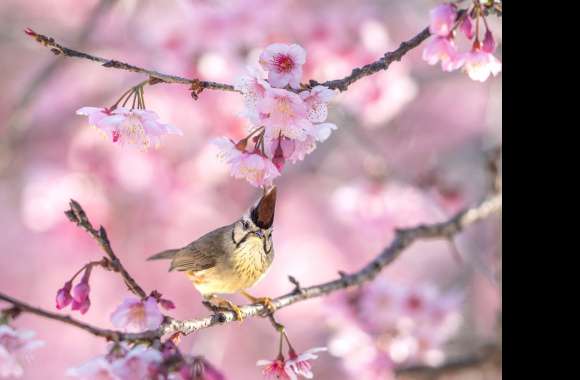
(480, 62)
(15, 346)
(394, 325)
(286, 123)
(145, 363)
(296, 364)
(135, 125)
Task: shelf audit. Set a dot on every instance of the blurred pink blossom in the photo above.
(139, 363)
(443, 49)
(14, 346)
(488, 44)
(442, 19)
(480, 64)
(98, 368)
(134, 315)
(284, 64)
(467, 27)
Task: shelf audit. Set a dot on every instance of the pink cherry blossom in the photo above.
(97, 368)
(317, 100)
(480, 64)
(253, 167)
(253, 88)
(442, 19)
(284, 64)
(200, 369)
(300, 364)
(140, 363)
(276, 369)
(15, 345)
(63, 296)
(136, 126)
(167, 304)
(284, 113)
(134, 315)
(443, 49)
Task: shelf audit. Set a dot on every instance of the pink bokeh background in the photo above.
(409, 149)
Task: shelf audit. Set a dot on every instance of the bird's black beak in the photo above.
(263, 214)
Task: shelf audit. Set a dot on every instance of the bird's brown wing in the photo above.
(200, 254)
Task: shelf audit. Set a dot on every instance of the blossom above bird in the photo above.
(285, 124)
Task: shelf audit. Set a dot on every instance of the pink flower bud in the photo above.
(82, 307)
(488, 42)
(63, 297)
(30, 32)
(278, 158)
(81, 292)
(467, 27)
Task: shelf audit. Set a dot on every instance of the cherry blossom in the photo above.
(134, 315)
(442, 19)
(317, 100)
(466, 27)
(443, 49)
(276, 369)
(284, 64)
(299, 363)
(132, 126)
(480, 64)
(284, 113)
(15, 345)
(80, 293)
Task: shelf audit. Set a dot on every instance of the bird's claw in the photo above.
(225, 305)
(267, 303)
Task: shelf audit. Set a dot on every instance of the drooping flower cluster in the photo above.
(479, 63)
(79, 296)
(285, 124)
(134, 125)
(402, 325)
(296, 364)
(15, 346)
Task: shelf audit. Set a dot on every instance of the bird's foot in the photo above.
(219, 304)
(265, 301)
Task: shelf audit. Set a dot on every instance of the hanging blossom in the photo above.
(15, 347)
(285, 125)
(135, 125)
(445, 19)
(77, 297)
(135, 315)
(300, 363)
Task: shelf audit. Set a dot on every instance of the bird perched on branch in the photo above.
(231, 258)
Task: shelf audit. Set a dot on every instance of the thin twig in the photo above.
(77, 215)
(198, 86)
(403, 239)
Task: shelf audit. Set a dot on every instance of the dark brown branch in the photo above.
(58, 49)
(104, 333)
(372, 68)
(403, 239)
(77, 215)
(198, 86)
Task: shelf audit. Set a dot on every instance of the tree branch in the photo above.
(77, 215)
(403, 239)
(198, 85)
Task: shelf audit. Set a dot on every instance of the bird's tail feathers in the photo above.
(167, 254)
